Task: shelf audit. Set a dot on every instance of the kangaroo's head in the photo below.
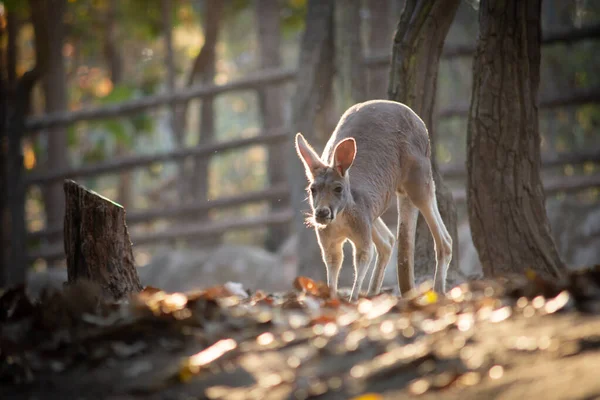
(329, 186)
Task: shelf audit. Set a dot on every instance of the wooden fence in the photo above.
(258, 81)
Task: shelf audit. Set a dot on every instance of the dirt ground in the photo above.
(515, 338)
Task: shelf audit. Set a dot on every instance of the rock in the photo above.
(50, 278)
(183, 270)
(575, 227)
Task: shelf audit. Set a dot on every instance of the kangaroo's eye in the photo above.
(338, 189)
(313, 190)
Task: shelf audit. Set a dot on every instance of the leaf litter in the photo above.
(227, 343)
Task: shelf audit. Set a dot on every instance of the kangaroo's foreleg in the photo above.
(363, 254)
(333, 256)
(384, 242)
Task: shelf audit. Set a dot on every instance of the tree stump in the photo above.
(97, 243)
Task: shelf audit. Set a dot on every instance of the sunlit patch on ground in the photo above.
(226, 343)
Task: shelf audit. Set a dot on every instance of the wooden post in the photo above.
(97, 243)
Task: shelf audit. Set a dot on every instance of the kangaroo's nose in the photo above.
(323, 213)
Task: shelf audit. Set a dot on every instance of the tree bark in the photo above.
(111, 50)
(504, 191)
(206, 76)
(349, 60)
(6, 79)
(313, 96)
(12, 30)
(418, 44)
(56, 100)
(201, 68)
(115, 67)
(271, 105)
(97, 243)
(55, 93)
(380, 41)
(14, 272)
(212, 24)
(200, 172)
(177, 125)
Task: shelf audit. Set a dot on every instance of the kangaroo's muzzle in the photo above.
(323, 215)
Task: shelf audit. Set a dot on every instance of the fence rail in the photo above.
(457, 51)
(579, 97)
(199, 230)
(458, 171)
(127, 163)
(187, 210)
(252, 81)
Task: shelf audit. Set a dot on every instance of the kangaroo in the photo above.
(378, 148)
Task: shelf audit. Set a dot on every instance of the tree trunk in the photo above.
(6, 78)
(206, 76)
(14, 272)
(200, 67)
(12, 30)
(111, 49)
(418, 44)
(56, 100)
(200, 175)
(504, 192)
(97, 243)
(115, 67)
(214, 11)
(380, 41)
(177, 126)
(351, 73)
(271, 105)
(313, 95)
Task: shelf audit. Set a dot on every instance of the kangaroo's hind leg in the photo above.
(407, 225)
(442, 240)
(421, 191)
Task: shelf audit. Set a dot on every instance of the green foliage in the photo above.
(236, 6)
(96, 153)
(72, 136)
(142, 123)
(106, 135)
(82, 25)
(119, 93)
(118, 131)
(293, 15)
(141, 18)
(19, 7)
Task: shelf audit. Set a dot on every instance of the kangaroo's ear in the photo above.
(311, 160)
(343, 155)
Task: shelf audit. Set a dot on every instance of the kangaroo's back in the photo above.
(389, 138)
